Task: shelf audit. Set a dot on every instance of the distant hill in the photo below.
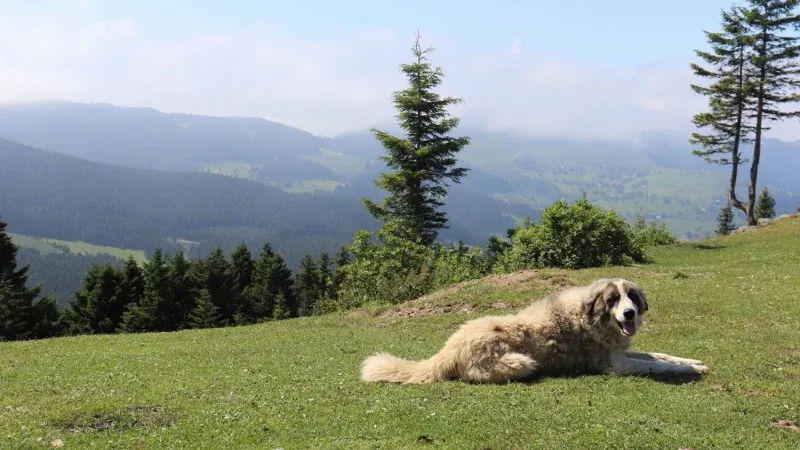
(51, 195)
(146, 138)
(655, 173)
(46, 194)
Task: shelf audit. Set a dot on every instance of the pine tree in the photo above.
(307, 286)
(282, 308)
(150, 312)
(242, 267)
(341, 259)
(271, 278)
(205, 314)
(183, 291)
(326, 286)
(725, 220)
(132, 285)
(22, 316)
(424, 160)
(730, 97)
(97, 308)
(774, 66)
(765, 208)
(214, 273)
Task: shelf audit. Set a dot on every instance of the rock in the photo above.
(744, 229)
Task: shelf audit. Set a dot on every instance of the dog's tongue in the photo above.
(629, 328)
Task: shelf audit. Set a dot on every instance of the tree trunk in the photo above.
(737, 142)
(751, 189)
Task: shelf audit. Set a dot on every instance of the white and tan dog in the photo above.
(579, 330)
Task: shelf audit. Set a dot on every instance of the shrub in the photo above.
(395, 269)
(573, 237)
(459, 263)
(652, 234)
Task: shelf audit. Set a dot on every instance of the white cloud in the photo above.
(332, 86)
(516, 48)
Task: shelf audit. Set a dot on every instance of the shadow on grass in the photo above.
(707, 247)
(674, 379)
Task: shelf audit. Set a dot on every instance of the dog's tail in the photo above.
(385, 367)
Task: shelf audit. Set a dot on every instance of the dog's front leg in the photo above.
(650, 356)
(625, 365)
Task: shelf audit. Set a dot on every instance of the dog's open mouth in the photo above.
(628, 327)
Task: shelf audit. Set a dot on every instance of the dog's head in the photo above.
(618, 303)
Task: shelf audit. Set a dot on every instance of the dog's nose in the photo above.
(629, 314)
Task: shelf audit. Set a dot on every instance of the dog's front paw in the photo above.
(697, 369)
(690, 362)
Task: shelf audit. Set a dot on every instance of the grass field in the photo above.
(46, 246)
(730, 302)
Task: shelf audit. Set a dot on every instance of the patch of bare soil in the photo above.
(788, 425)
(529, 279)
(421, 311)
(119, 420)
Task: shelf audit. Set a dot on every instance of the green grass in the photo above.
(46, 246)
(730, 302)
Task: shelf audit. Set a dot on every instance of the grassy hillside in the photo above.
(48, 246)
(294, 384)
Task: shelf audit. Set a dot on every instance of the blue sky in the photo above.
(585, 69)
(609, 31)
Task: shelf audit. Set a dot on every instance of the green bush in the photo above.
(459, 263)
(575, 236)
(395, 269)
(652, 234)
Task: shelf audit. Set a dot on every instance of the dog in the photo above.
(578, 330)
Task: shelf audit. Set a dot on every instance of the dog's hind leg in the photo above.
(508, 367)
(649, 356)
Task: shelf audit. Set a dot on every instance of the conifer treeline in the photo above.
(168, 293)
(171, 292)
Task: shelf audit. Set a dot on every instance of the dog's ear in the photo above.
(595, 303)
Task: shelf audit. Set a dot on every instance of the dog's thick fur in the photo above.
(579, 330)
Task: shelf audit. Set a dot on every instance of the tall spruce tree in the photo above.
(205, 313)
(765, 208)
(424, 160)
(151, 311)
(725, 220)
(730, 97)
(242, 267)
(341, 259)
(214, 273)
(184, 290)
(307, 286)
(131, 287)
(774, 66)
(22, 314)
(97, 307)
(271, 286)
(325, 280)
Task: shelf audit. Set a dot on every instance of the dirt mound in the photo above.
(432, 304)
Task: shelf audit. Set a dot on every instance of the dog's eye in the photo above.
(634, 298)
